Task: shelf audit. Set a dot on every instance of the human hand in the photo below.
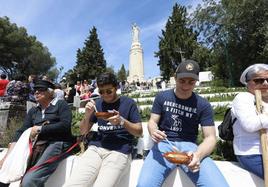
(35, 130)
(194, 165)
(158, 135)
(116, 119)
(90, 107)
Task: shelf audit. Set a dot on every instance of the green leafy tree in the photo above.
(176, 41)
(21, 54)
(110, 69)
(236, 32)
(203, 56)
(53, 74)
(90, 60)
(122, 74)
(39, 61)
(71, 76)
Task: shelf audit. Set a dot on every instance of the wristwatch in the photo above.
(122, 120)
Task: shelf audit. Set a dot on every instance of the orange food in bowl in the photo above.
(177, 157)
(105, 115)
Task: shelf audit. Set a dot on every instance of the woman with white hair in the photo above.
(246, 143)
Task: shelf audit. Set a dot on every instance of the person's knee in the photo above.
(31, 179)
(26, 181)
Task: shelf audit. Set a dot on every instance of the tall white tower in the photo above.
(136, 70)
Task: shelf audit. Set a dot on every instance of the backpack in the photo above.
(226, 127)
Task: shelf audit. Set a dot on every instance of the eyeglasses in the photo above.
(260, 80)
(40, 89)
(106, 91)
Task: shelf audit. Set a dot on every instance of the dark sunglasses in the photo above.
(40, 89)
(260, 80)
(106, 91)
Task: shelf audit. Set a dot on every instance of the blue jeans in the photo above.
(252, 163)
(156, 168)
(37, 178)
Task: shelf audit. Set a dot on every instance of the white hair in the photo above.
(51, 92)
(251, 71)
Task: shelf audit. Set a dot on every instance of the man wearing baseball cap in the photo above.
(175, 118)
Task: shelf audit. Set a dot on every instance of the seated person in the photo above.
(109, 151)
(246, 143)
(175, 118)
(51, 140)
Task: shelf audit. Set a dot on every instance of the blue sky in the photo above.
(63, 26)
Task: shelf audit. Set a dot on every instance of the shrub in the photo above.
(142, 95)
(220, 98)
(224, 151)
(198, 90)
(8, 134)
(77, 117)
(145, 114)
(146, 102)
(219, 112)
(219, 90)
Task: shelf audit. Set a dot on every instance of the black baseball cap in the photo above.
(43, 84)
(188, 69)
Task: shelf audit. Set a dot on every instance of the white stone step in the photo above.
(234, 175)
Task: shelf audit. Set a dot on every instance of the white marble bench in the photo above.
(234, 175)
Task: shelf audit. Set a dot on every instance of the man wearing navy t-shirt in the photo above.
(108, 155)
(175, 117)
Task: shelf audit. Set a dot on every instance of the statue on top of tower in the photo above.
(135, 33)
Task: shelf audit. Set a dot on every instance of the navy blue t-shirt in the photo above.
(116, 137)
(180, 118)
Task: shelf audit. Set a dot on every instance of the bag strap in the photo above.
(50, 160)
(54, 158)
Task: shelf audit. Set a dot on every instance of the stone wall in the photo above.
(9, 110)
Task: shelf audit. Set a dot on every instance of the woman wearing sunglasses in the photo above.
(108, 155)
(246, 143)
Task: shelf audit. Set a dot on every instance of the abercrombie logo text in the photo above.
(180, 109)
